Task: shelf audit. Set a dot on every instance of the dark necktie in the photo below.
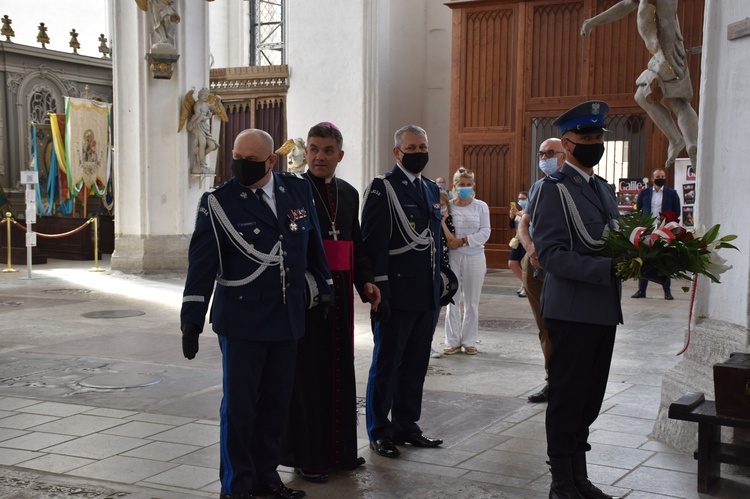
(592, 183)
(418, 186)
(260, 195)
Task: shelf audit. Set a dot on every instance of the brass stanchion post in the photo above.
(96, 245)
(7, 224)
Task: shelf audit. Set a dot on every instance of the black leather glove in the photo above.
(383, 312)
(190, 334)
(321, 311)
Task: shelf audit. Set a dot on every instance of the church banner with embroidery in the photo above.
(87, 144)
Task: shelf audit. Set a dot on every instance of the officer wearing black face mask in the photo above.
(580, 300)
(401, 233)
(256, 248)
(652, 201)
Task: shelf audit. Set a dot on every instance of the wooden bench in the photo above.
(711, 450)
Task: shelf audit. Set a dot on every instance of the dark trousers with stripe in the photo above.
(258, 380)
(578, 372)
(399, 364)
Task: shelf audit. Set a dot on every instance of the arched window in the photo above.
(42, 101)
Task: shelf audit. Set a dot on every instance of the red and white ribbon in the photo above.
(635, 236)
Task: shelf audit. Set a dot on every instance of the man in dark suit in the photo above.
(401, 233)
(652, 201)
(257, 238)
(581, 297)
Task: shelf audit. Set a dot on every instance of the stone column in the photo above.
(721, 311)
(156, 196)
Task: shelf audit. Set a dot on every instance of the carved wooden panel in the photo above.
(618, 55)
(554, 71)
(487, 96)
(518, 64)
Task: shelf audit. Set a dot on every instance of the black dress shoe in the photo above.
(360, 461)
(384, 447)
(279, 491)
(590, 491)
(312, 476)
(639, 294)
(418, 440)
(540, 396)
(668, 296)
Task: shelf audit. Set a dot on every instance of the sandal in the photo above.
(452, 350)
(470, 350)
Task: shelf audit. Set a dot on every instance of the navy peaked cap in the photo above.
(585, 117)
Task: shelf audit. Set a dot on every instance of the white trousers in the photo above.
(470, 271)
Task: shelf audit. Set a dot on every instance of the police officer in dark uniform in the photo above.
(257, 238)
(580, 299)
(401, 233)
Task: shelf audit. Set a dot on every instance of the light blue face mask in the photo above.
(522, 203)
(464, 192)
(548, 165)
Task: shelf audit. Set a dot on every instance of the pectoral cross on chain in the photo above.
(334, 232)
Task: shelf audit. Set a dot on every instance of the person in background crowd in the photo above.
(516, 253)
(471, 219)
(656, 199)
(448, 232)
(551, 158)
(443, 185)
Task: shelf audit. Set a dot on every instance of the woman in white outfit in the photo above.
(471, 219)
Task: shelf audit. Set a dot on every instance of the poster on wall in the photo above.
(686, 185)
(627, 193)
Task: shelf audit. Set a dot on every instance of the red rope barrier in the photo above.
(55, 236)
(690, 314)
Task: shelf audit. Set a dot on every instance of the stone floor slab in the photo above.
(55, 463)
(78, 425)
(97, 446)
(122, 469)
(190, 434)
(55, 409)
(185, 476)
(164, 451)
(138, 429)
(24, 421)
(14, 403)
(35, 441)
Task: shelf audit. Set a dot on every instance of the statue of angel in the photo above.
(199, 124)
(295, 149)
(666, 77)
(164, 20)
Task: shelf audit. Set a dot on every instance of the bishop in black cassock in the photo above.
(322, 427)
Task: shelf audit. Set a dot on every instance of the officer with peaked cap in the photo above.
(580, 300)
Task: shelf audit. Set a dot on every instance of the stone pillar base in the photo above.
(712, 342)
(151, 255)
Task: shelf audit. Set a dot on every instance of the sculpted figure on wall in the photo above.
(164, 20)
(201, 113)
(294, 149)
(667, 77)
